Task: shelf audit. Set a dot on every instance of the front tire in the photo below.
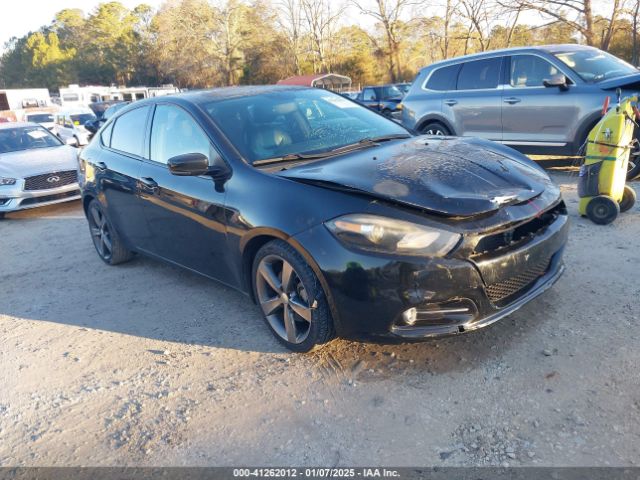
(602, 210)
(105, 238)
(291, 298)
(628, 199)
(633, 170)
(435, 128)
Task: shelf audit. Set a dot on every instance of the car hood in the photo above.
(25, 163)
(627, 82)
(448, 176)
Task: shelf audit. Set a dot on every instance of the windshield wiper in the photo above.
(364, 143)
(291, 157)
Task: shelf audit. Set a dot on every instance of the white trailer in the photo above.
(20, 98)
(77, 96)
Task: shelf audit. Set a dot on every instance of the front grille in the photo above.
(502, 293)
(519, 234)
(49, 198)
(47, 181)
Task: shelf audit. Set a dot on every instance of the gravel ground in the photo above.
(146, 364)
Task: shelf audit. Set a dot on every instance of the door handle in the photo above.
(511, 100)
(451, 103)
(149, 184)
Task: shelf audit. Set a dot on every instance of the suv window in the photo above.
(444, 78)
(105, 136)
(128, 132)
(369, 95)
(479, 74)
(530, 71)
(175, 132)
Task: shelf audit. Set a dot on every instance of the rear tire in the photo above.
(633, 171)
(602, 210)
(435, 128)
(288, 292)
(628, 199)
(105, 238)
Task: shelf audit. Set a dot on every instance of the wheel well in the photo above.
(443, 123)
(248, 254)
(85, 202)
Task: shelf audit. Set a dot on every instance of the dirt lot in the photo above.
(146, 364)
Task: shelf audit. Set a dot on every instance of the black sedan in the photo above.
(333, 219)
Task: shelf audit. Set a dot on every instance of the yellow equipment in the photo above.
(601, 186)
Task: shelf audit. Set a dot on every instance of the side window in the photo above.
(175, 132)
(479, 74)
(128, 132)
(67, 122)
(530, 71)
(105, 136)
(369, 95)
(444, 78)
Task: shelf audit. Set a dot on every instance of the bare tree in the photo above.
(388, 13)
(321, 17)
(577, 14)
(634, 33)
(228, 36)
(290, 19)
(481, 15)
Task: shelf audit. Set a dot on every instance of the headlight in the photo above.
(7, 181)
(380, 234)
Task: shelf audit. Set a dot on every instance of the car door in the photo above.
(475, 104)
(117, 170)
(532, 114)
(370, 98)
(61, 127)
(184, 214)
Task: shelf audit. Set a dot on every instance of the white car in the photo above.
(69, 125)
(46, 119)
(36, 168)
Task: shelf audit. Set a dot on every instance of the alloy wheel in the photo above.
(100, 233)
(434, 131)
(283, 298)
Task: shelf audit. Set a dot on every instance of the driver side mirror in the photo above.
(194, 164)
(558, 80)
(71, 141)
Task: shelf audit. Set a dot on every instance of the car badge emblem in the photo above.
(53, 179)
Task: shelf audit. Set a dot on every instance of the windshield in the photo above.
(594, 65)
(290, 122)
(82, 118)
(391, 92)
(40, 117)
(26, 138)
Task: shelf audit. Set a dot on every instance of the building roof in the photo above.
(310, 80)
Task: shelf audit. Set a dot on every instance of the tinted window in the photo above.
(105, 136)
(443, 78)
(128, 132)
(70, 97)
(278, 123)
(175, 132)
(369, 95)
(479, 74)
(530, 71)
(391, 92)
(594, 65)
(40, 117)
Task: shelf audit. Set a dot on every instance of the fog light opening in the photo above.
(410, 317)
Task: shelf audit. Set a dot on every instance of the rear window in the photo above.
(443, 78)
(479, 74)
(128, 132)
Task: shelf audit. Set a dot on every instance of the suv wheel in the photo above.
(435, 128)
(633, 170)
(292, 300)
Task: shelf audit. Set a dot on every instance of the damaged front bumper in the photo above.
(414, 298)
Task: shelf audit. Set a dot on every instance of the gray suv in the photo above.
(541, 100)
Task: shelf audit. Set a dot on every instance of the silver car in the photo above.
(36, 168)
(541, 100)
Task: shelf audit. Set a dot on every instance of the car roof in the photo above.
(563, 47)
(10, 125)
(223, 93)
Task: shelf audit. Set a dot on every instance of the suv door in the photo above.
(534, 115)
(184, 214)
(116, 171)
(475, 105)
